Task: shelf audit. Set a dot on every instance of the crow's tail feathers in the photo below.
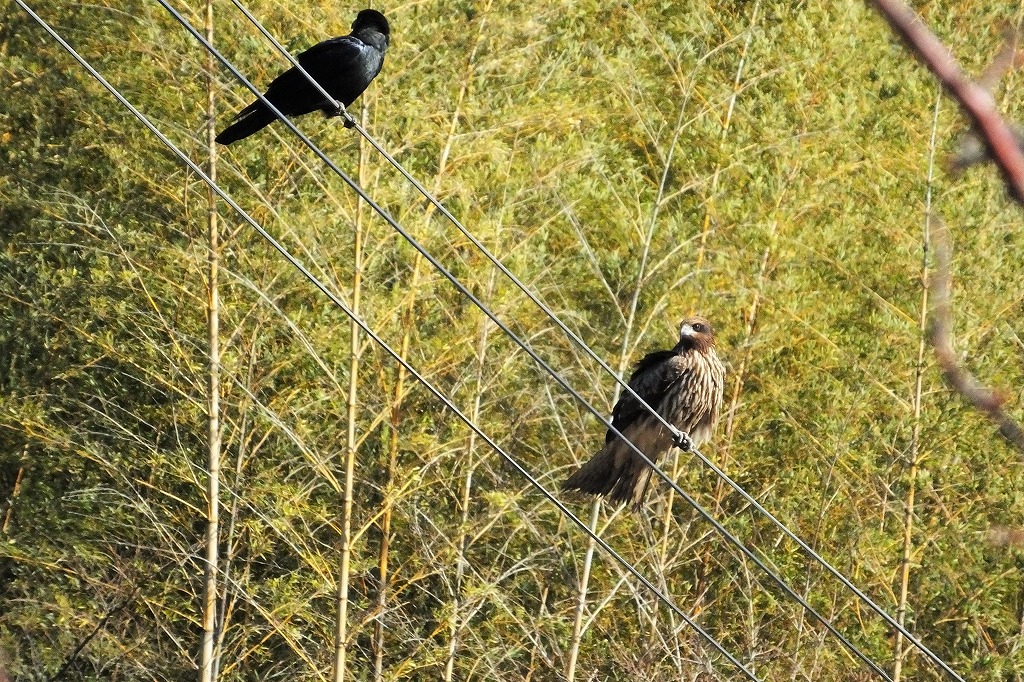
(249, 120)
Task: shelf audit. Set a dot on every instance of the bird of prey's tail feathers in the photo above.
(616, 471)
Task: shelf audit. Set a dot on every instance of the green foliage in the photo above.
(620, 162)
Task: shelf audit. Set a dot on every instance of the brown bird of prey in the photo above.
(685, 386)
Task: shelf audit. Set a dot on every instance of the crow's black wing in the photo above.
(293, 94)
(651, 379)
(332, 54)
(344, 66)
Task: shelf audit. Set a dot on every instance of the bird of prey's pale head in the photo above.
(696, 333)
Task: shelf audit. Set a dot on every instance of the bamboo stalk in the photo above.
(209, 615)
(385, 528)
(14, 492)
(915, 438)
(581, 601)
(351, 448)
(460, 569)
(467, 486)
(386, 513)
(228, 597)
(710, 203)
(400, 390)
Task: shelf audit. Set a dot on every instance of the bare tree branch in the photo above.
(959, 377)
(975, 99)
(1004, 147)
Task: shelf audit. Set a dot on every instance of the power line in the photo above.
(682, 439)
(294, 262)
(757, 506)
(643, 456)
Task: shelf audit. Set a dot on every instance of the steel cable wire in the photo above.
(757, 506)
(683, 438)
(294, 262)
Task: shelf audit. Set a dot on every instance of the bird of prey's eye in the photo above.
(700, 328)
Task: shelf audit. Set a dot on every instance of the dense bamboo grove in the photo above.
(767, 163)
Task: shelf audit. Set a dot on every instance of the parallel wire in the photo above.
(806, 548)
(294, 262)
(576, 339)
(757, 506)
(684, 440)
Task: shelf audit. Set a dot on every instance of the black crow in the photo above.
(343, 66)
(685, 385)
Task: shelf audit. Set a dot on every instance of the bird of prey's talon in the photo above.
(682, 441)
(349, 123)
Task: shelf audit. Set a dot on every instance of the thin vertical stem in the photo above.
(915, 438)
(408, 324)
(341, 626)
(467, 483)
(377, 645)
(467, 487)
(581, 602)
(541, 607)
(382, 563)
(385, 521)
(666, 527)
(460, 569)
(14, 494)
(231, 535)
(207, 657)
(385, 526)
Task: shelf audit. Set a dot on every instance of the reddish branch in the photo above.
(1002, 146)
(985, 399)
(975, 99)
